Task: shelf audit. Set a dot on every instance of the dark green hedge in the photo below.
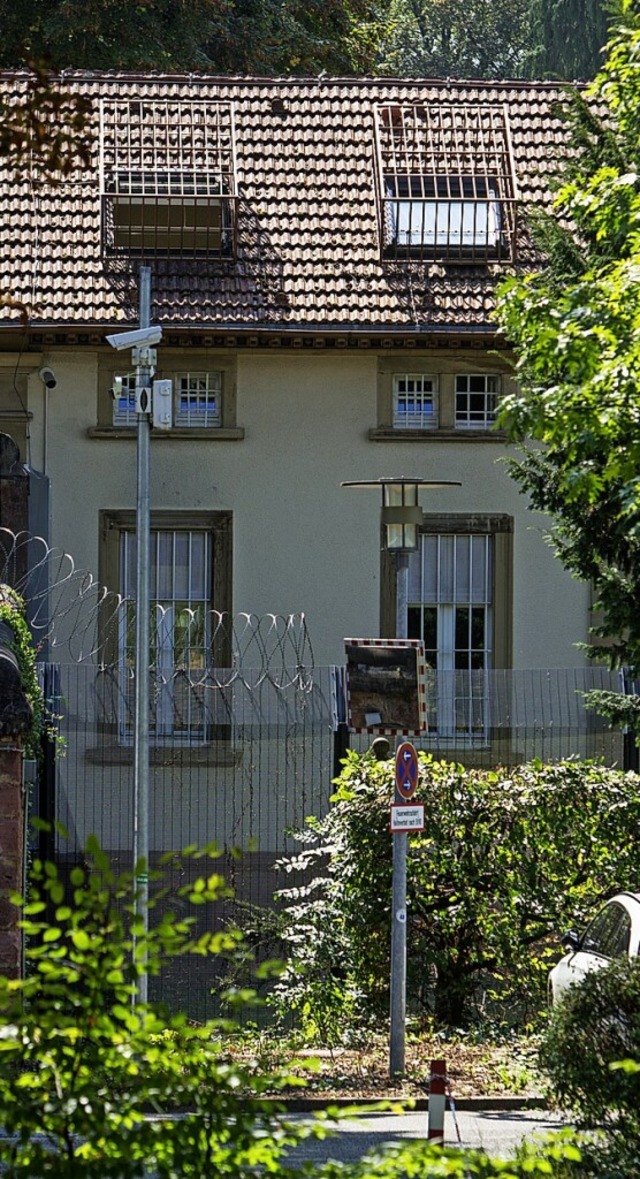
(507, 861)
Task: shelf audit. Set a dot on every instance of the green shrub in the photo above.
(595, 1027)
(95, 1084)
(590, 1053)
(12, 612)
(507, 860)
(84, 1061)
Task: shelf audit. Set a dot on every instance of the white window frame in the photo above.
(419, 397)
(483, 418)
(124, 402)
(467, 218)
(459, 692)
(198, 399)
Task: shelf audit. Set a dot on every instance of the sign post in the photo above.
(406, 780)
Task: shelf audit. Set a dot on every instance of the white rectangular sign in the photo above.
(407, 818)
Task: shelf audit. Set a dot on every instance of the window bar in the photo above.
(487, 149)
(468, 682)
(458, 133)
(512, 211)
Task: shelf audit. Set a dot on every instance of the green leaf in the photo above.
(80, 939)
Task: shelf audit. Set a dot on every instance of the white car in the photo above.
(613, 933)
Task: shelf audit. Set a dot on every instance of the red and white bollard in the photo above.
(437, 1101)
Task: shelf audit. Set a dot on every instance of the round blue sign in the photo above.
(406, 769)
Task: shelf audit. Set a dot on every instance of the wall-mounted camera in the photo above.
(48, 378)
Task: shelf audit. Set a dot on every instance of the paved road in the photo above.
(497, 1132)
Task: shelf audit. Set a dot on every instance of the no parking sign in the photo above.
(406, 769)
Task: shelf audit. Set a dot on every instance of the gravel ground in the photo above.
(472, 1069)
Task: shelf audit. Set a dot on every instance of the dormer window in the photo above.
(446, 183)
(159, 213)
(168, 178)
(444, 211)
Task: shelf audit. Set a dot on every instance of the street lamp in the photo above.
(401, 517)
(401, 513)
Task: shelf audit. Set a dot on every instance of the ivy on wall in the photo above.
(12, 612)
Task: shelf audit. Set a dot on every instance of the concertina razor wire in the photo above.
(75, 619)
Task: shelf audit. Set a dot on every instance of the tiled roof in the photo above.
(308, 249)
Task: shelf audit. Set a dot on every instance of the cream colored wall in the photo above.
(301, 542)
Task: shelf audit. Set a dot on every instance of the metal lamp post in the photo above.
(401, 518)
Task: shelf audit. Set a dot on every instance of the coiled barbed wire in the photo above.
(73, 616)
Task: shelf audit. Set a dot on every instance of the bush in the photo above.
(84, 1061)
(508, 859)
(590, 1053)
(592, 1030)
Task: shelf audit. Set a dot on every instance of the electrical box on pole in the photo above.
(162, 404)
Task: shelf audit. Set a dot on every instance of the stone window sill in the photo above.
(386, 434)
(216, 434)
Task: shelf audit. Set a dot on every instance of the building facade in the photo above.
(324, 256)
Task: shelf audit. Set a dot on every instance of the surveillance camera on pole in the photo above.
(142, 343)
(140, 338)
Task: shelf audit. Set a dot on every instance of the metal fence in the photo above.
(254, 755)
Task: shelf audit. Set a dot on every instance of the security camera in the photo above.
(141, 338)
(48, 378)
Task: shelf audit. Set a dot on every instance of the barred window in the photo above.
(459, 211)
(124, 400)
(190, 564)
(197, 399)
(168, 177)
(451, 609)
(414, 402)
(446, 182)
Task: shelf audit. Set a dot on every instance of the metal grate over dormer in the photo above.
(168, 176)
(446, 183)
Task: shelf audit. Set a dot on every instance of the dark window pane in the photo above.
(462, 628)
(478, 615)
(598, 936)
(414, 623)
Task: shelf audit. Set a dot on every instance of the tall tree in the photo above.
(110, 34)
(295, 37)
(456, 38)
(575, 327)
(495, 38)
(568, 37)
(224, 36)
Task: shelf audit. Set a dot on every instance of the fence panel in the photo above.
(259, 759)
